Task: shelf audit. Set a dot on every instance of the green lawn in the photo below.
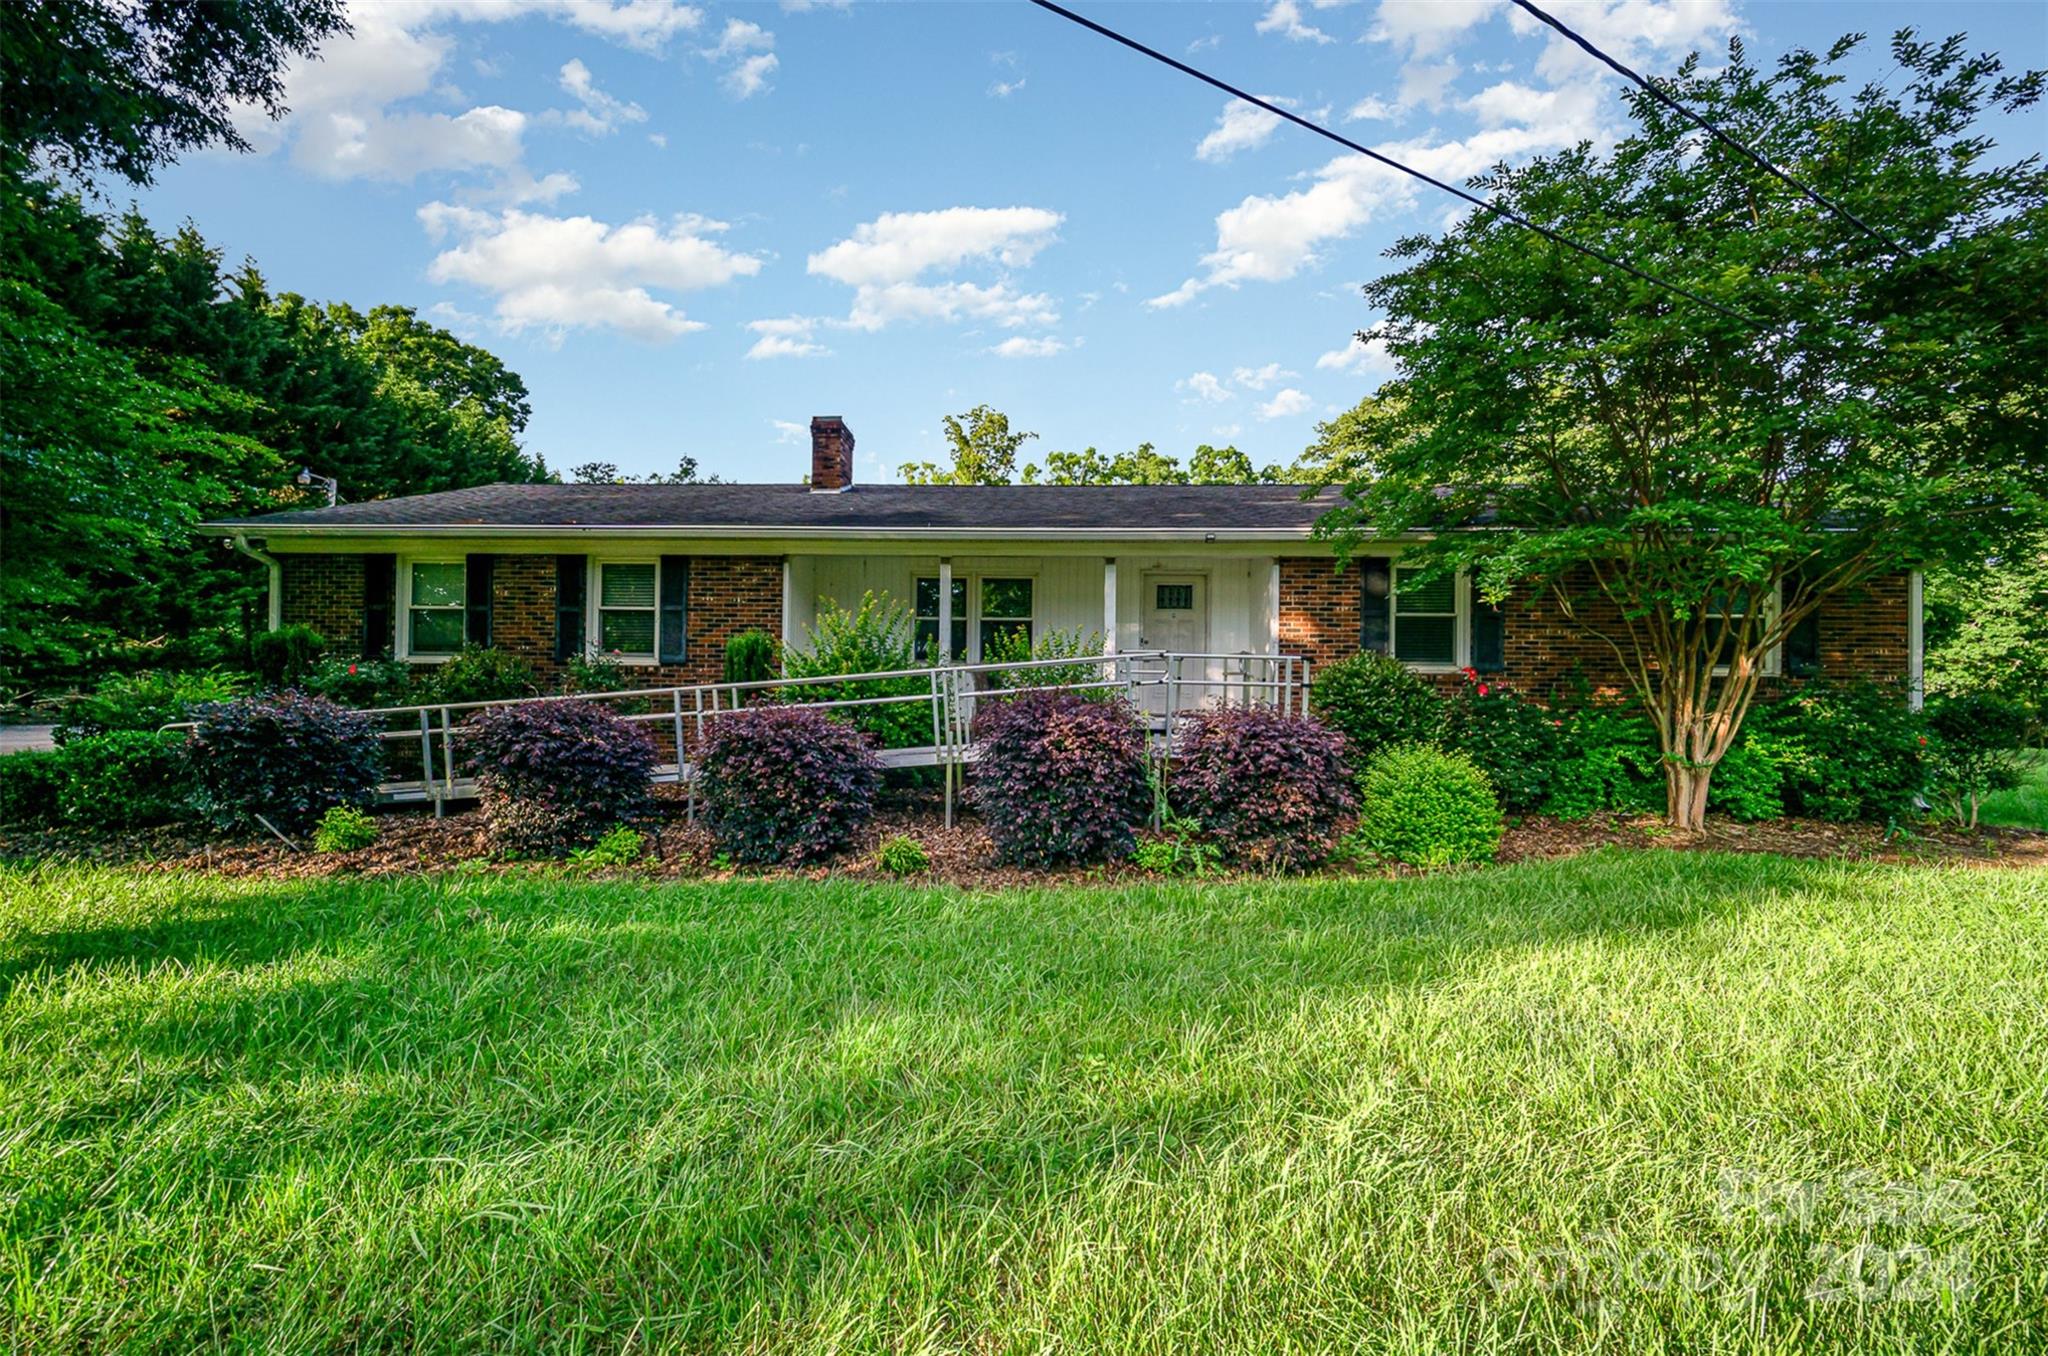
(1623, 1102)
(2026, 805)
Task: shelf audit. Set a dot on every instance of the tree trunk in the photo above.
(1685, 796)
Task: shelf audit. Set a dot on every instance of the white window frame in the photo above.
(405, 651)
(963, 617)
(974, 618)
(594, 610)
(1461, 622)
(1774, 658)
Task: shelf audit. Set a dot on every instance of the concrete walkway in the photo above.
(22, 738)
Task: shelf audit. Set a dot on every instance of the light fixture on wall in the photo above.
(307, 479)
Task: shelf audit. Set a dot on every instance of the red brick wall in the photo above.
(326, 593)
(1862, 633)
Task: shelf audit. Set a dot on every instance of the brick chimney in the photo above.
(831, 454)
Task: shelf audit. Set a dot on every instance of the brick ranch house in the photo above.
(661, 576)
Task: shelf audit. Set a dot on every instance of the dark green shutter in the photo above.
(476, 589)
(673, 644)
(571, 583)
(1375, 605)
(1802, 647)
(1489, 636)
(380, 605)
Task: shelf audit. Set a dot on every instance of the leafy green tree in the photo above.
(1987, 628)
(983, 450)
(87, 85)
(1857, 409)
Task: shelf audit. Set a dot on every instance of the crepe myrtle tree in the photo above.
(1689, 483)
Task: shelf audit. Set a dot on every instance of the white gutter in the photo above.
(762, 531)
(240, 542)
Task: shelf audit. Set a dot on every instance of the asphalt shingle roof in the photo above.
(1278, 509)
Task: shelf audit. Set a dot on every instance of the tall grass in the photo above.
(1626, 1102)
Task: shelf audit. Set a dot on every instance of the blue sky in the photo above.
(690, 227)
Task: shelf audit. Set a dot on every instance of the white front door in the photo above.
(1176, 614)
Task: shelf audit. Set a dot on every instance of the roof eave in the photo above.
(256, 526)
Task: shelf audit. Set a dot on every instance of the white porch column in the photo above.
(1273, 607)
(1109, 604)
(945, 645)
(788, 606)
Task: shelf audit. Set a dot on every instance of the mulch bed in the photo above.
(412, 841)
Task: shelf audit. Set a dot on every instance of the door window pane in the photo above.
(1174, 597)
(435, 619)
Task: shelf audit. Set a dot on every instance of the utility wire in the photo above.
(1496, 209)
(1656, 92)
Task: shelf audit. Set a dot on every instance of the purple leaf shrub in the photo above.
(1059, 777)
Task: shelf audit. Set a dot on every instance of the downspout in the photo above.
(275, 611)
(1916, 639)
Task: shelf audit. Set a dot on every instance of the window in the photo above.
(1005, 615)
(1425, 620)
(1173, 597)
(928, 619)
(1731, 611)
(435, 594)
(626, 598)
(991, 612)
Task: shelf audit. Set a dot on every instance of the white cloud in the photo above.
(1371, 108)
(1284, 17)
(745, 45)
(1361, 357)
(566, 273)
(601, 114)
(1240, 127)
(1020, 347)
(898, 246)
(1427, 82)
(1203, 386)
(789, 431)
(347, 120)
(886, 261)
(1259, 378)
(1427, 28)
(1003, 89)
(1285, 404)
(788, 337)
(1204, 44)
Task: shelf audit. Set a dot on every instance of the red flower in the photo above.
(1482, 689)
(351, 668)
(1923, 741)
(1469, 671)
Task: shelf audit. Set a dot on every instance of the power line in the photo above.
(1496, 209)
(1657, 93)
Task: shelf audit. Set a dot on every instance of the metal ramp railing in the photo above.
(1157, 683)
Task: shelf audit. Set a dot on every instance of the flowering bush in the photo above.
(785, 784)
(286, 756)
(1374, 702)
(360, 682)
(1059, 778)
(1273, 790)
(1428, 808)
(1511, 739)
(554, 776)
(1861, 746)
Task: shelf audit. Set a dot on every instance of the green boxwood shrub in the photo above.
(1429, 808)
(1272, 790)
(750, 657)
(785, 784)
(124, 778)
(29, 781)
(287, 756)
(283, 658)
(147, 701)
(903, 855)
(1514, 741)
(1059, 778)
(345, 828)
(1375, 702)
(555, 776)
